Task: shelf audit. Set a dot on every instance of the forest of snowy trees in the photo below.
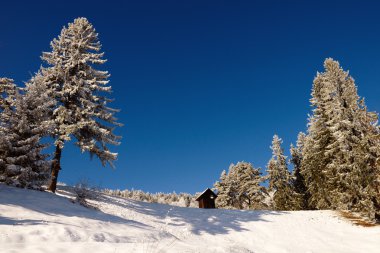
(334, 165)
(64, 100)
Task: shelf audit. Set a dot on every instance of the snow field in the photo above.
(33, 221)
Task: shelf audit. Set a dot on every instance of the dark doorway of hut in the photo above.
(207, 199)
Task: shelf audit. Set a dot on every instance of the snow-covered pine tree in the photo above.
(22, 126)
(314, 162)
(363, 183)
(7, 98)
(226, 190)
(353, 171)
(79, 89)
(298, 180)
(340, 154)
(341, 110)
(241, 187)
(280, 178)
(251, 193)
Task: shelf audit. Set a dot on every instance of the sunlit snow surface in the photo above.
(32, 221)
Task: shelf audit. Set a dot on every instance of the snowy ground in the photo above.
(32, 221)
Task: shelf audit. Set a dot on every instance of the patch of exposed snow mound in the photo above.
(32, 221)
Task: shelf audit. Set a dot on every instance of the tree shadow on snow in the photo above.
(22, 222)
(51, 204)
(211, 221)
(15, 222)
(197, 221)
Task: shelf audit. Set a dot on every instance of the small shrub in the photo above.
(84, 193)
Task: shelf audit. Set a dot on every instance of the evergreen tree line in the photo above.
(175, 199)
(66, 99)
(336, 163)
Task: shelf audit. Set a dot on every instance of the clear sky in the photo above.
(200, 84)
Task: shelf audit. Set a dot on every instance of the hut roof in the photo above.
(206, 193)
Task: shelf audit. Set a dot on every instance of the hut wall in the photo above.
(206, 203)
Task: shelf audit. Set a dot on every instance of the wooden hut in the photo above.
(207, 199)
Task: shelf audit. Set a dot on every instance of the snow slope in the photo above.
(32, 221)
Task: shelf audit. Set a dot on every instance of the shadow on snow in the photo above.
(211, 221)
(50, 204)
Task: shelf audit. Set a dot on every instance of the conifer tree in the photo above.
(339, 157)
(226, 194)
(298, 180)
(280, 178)
(23, 123)
(362, 191)
(7, 97)
(250, 192)
(241, 188)
(315, 160)
(79, 89)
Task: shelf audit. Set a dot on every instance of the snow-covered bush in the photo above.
(83, 193)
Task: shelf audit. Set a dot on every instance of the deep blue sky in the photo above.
(200, 84)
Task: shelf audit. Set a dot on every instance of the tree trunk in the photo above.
(55, 168)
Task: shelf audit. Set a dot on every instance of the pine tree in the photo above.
(298, 180)
(251, 193)
(340, 109)
(339, 163)
(226, 194)
(315, 160)
(79, 90)
(7, 97)
(241, 188)
(280, 178)
(363, 183)
(22, 127)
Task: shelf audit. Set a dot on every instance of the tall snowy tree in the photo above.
(251, 193)
(23, 124)
(339, 163)
(241, 188)
(362, 185)
(79, 90)
(7, 98)
(315, 160)
(226, 191)
(298, 180)
(280, 178)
